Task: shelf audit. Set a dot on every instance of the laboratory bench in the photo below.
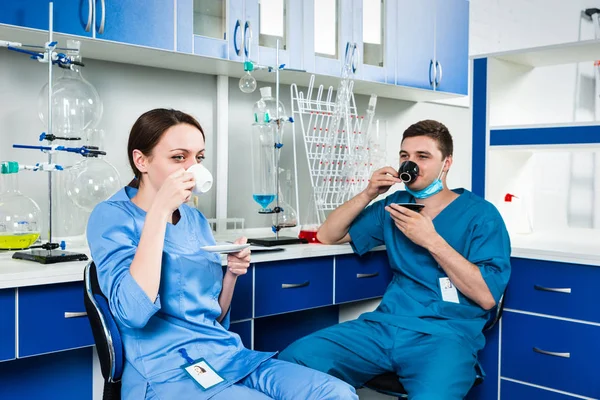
(545, 337)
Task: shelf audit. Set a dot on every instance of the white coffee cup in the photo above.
(203, 177)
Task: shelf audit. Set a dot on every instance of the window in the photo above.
(373, 27)
(209, 18)
(271, 14)
(326, 28)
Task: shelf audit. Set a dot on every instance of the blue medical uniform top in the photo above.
(185, 311)
(413, 299)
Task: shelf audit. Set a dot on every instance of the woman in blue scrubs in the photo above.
(169, 297)
(450, 264)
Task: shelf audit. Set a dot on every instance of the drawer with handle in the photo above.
(363, 277)
(292, 285)
(553, 353)
(554, 288)
(52, 318)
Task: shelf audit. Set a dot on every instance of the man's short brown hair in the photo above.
(435, 130)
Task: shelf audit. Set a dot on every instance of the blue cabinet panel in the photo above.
(540, 136)
(241, 303)
(65, 376)
(130, 21)
(69, 16)
(43, 326)
(244, 330)
(532, 282)
(7, 324)
(363, 277)
(235, 29)
(488, 359)
(573, 367)
(185, 26)
(515, 391)
(293, 285)
(415, 43)
(277, 332)
(452, 46)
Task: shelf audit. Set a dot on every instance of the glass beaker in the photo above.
(287, 217)
(19, 214)
(312, 220)
(263, 165)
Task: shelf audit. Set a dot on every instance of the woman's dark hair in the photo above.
(149, 129)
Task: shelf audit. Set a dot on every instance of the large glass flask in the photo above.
(287, 217)
(92, 180)
(263, 165)
(265, 109)
(76, 105)
(19, 214)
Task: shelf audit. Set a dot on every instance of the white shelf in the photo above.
(567, 53)
(100, 49)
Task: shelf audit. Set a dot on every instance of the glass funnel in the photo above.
(287, 217)
(19, 214)
(76, 105)
(263, 165)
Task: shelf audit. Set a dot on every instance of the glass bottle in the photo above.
(19, 214)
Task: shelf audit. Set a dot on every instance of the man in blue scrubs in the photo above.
(450, 263)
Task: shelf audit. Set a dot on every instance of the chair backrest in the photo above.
(495, 315)
(104, 328)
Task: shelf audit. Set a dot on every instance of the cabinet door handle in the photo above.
(69, 314)
(373, 275)
(555, 290)
(238, 49)
(430, 70)
(552, 353)
(438, 79)
(89, 21)
(102, 18)
(294, 285)
(355, 58)
(247, 39)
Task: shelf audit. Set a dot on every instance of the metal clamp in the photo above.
(552, 353)
(69, 314)
(361, 276)
(294, 285)
(554, 290)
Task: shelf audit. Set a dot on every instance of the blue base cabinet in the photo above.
(7, 325)
(65, 376)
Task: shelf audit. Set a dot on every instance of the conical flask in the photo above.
(312, 220)
(287, 217)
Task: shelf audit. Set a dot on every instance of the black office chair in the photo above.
(106, 335)
(389, 383)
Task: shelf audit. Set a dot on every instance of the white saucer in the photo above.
(225, 248)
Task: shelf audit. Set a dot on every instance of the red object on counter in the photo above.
(310, 236)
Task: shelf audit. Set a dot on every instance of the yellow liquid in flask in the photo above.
(17, 241)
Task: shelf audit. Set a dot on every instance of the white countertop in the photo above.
(19, 273)
(578, 247)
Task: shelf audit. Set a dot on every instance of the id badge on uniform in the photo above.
(201, 372)
(449, 292)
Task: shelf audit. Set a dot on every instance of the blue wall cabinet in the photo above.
(130, 21)
(7, 324)
(341, 19)
(452, 46)
(415, 39)
(202, 28)
(74, 17)
(285, 24)
(376, 62)
(50, 319)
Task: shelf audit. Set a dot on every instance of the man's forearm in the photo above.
(335, 229)
(464, 275)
